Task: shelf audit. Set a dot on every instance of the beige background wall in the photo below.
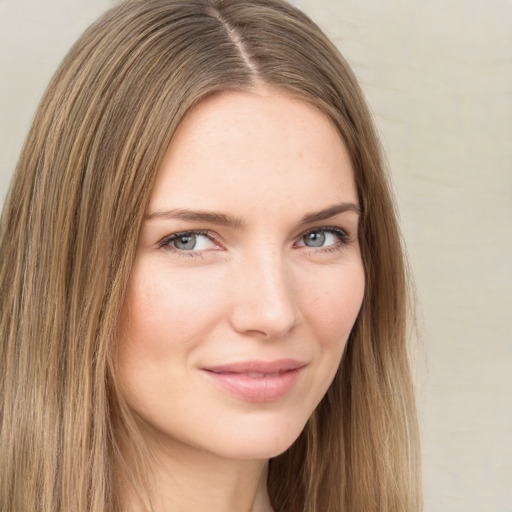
(438, 76)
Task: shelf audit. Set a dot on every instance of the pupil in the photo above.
(315, 239)
(187, 242)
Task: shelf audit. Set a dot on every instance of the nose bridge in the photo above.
(265, 301)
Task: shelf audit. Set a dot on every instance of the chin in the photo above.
(261, 441)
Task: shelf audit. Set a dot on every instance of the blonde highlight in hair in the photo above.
(68, 235)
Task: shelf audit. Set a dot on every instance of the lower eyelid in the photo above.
(342, 235)
(166, 242)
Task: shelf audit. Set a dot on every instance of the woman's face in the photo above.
(248, 278)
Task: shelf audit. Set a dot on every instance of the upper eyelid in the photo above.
(203, 232)
(207, 233)
(324, 228)
(214, 237)
(343, 233)
(331, 229)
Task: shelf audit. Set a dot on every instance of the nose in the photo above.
(264, 297)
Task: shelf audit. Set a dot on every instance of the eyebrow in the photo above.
(221, 219)
(332, 211)
(199, 216)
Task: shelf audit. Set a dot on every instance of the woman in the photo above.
(203, 292)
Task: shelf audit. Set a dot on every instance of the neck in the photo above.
(181, 479)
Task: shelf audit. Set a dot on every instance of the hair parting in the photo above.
(68, 235)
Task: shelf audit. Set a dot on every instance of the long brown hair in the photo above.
(68, 235)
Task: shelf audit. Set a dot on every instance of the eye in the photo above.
(189, 241)
(323, 237)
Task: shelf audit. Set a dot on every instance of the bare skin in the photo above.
(205, 484)
(246, 284)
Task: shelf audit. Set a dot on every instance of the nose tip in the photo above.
(265, 301)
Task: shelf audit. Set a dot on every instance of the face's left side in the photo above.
(248, 278)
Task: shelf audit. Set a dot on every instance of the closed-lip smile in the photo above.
(256, 381)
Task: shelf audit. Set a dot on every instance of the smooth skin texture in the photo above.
(249, 252)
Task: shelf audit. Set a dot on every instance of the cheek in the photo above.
(165, 309)
(330, 310)
(166, 315)
(333, 309)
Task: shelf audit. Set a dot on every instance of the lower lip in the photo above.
(256, 389)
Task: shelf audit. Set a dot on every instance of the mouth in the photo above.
(256, 381)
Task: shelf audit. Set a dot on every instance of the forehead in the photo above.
(243, 150)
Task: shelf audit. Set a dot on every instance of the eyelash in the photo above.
(343, 240)
(166, 242)
(341, 234)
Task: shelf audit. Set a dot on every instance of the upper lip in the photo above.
(264, 367)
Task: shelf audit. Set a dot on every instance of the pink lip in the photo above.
(257, 381)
